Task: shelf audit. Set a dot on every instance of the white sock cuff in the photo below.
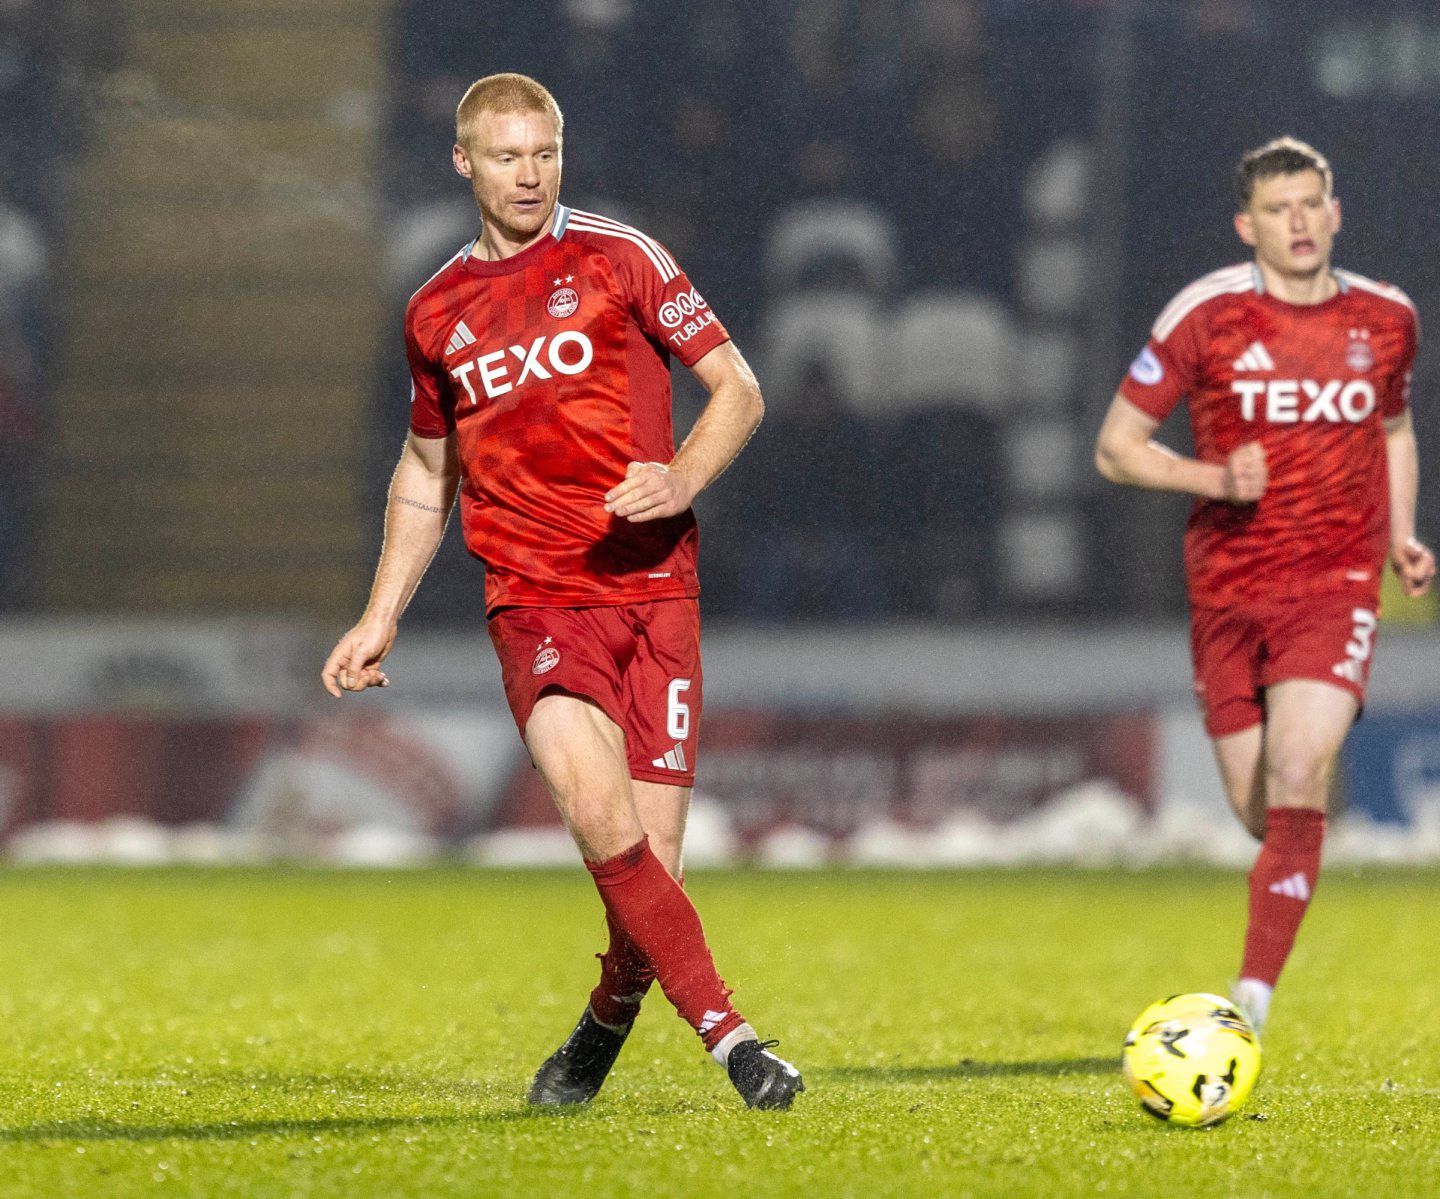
(721, 1052)
(618, 1029)
(1252, 996)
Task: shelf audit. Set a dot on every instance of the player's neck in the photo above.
(496, 242)
(1313, 287)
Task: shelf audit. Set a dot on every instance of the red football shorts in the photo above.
(639, 663)
(1240, 651)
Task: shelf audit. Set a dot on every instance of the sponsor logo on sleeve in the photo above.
(1146, 368)
(687, 303)
(687, 314)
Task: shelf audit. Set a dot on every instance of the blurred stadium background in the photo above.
(939, 228)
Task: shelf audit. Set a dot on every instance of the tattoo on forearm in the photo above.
(400, 499)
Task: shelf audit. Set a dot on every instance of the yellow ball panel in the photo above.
(1191, 1059)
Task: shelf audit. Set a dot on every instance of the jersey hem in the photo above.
(617, 600)
(1305, 597)
(667, 778)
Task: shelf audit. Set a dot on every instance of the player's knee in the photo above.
(597, 808)
(601, 829)
(1295, 778)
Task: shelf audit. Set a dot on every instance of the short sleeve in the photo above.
(1165, 371)
(667, 306)
(1396, 396)
(432, 411)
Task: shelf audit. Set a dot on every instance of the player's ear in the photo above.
(1245, 227)
(461, 159)
(1335, 214)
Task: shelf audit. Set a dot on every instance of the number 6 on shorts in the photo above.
(677, 712)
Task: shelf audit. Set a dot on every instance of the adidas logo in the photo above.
(1350, 669)
(461, 338)
(1256, 358)
(1296, 887)
(710, 1020)
(674, 760)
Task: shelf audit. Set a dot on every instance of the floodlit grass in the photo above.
(311, 1033)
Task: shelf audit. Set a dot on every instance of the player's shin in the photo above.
(625, 978)
(656, 916)
(1281, 885)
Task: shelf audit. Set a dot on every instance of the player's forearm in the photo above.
(727, 422)
(1404, 468)
(415, 516)
(1151, 465)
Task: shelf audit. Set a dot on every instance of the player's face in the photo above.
(512, 160)
(1291, 222)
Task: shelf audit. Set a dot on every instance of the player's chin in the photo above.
(528, 220)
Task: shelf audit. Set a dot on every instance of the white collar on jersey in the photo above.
(557, 231)
(1335, 273)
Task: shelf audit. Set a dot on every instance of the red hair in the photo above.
(507, 92)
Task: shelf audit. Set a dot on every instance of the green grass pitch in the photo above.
(317, 1033)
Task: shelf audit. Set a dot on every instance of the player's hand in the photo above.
(1414, 566)
(1246, 475)
(354, 663)
(651, 491)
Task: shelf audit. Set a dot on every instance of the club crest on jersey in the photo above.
(547, 657)
(562, 303)
(1359, 357)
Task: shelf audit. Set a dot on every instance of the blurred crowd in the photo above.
(937, 228)
(51, 52)
(877, 202)
(27, 135)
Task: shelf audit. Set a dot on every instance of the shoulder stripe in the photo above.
(611, 223)
(1203, 288)
(662, 262)
(1231, 281)
(460, 253)
(1386, 291)
(584, 223)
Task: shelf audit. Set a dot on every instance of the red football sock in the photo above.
(1281, 885)
(625, 977)
(649, 907)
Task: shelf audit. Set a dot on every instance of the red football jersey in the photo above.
(1313, 384)
(552, 369)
